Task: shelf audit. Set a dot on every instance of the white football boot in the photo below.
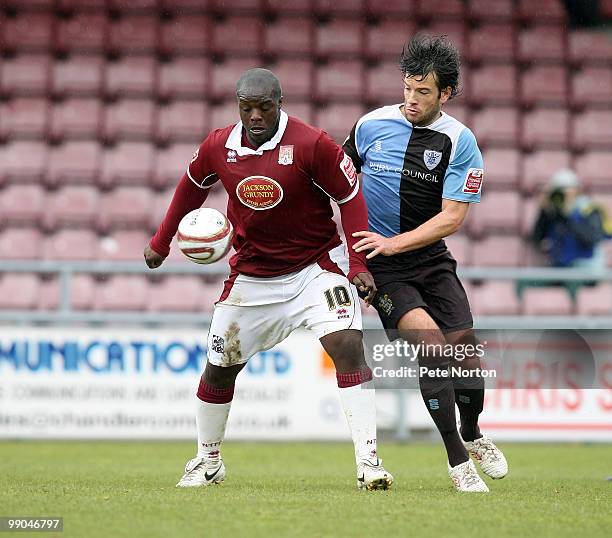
(491, 459)
(466, 479)
(373, 476)
(201, 472)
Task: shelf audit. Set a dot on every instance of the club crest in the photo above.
(285, 155)
(432, 158)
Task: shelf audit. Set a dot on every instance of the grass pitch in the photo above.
(115, 490)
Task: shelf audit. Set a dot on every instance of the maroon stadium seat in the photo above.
(135, 6)
(485, 10)
(339, 81)
(551, 301)
(26, 5)
(181, 293)
(127, 163)
(445, 9)
(83, 291)
(303, 110)
(342, 8)
(295, 77)
(223, 76)
(545, 128)
(542, 44)
(74, 162)
(129, 119)
(594, 168)
(72, 206)
(383, 84)
(595, 301)
(122, 292)
(22, 243)
(499, 212)
(22, 204)
(590, 47)
(501, 251)
(491, 42)
(246, 7)
(392, 9)
(540, 166)
(28, 32)
(237, 36)
(339, 38)
(224, 114)
(25, 75)
(78, 75)
(125, 207)
(494, 298)
(185, 35)
(123, 245)
(289, 37)
(502, 168)
(542, 11)
(24, 118)
(184, 78)
(338, 119)
(134, 34)
(184, 7)
(182, 121)
(81, 5)
(454, 31)
(495, 84)
(529, 214)
(496, 126)
(592, 86)
(49, 294)
(171, 163)
(460, 247)
(295, 7)
(84, 32)
(27, 296)
(131, 76)
(23, 161)
(544, 85)
(161, 201)
(76, 118)
(71, 245)
(592, 129)
(384, 41)
(456, 109)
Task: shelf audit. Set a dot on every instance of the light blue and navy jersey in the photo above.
(408, 170)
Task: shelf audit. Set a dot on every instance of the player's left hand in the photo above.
(365, 284)
(387, 246)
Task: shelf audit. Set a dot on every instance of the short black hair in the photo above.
(260, 78)
(425, 54)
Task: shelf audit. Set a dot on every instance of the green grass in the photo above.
(127, 490)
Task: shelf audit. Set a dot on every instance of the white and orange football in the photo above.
(205, 235)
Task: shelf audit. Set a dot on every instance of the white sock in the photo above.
(211, 419)
(359, 406)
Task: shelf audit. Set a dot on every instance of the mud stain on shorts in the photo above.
(232, 353)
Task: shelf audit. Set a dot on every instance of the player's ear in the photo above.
(445, 94)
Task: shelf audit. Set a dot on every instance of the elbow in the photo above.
(454, 226)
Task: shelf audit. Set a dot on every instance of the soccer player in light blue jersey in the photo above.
(421, 169)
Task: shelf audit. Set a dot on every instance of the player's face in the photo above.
(423, 100)
(260, 116)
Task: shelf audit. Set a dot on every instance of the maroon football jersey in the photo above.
(279, 194)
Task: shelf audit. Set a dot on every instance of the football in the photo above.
(205, 235)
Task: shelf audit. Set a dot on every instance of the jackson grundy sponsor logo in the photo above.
(417, 174)
(259, 192)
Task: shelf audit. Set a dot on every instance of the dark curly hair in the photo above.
(425, 54)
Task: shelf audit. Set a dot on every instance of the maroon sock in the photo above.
(209, 394)
(350, 379)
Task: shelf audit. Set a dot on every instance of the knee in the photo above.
(221, 376)
(346, 350)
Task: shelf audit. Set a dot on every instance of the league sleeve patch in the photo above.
(473, 181)
(348, 169)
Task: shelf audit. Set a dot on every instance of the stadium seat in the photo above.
(184, 78)
(185, 35)
(73, 162)
(592, 86)
(161, 202)
(182, 121)
(27, 297)
(543, 11)
(27, 32)
(339, 38)
(70, 6)
(184, 7)
(78, 75)
(23, 161)
(383, 84)
(171, 163)
(129, 119)
(127, 163)
(545, 85)
(551, 301)
(496, 126)
(181, 293)
(338, 119)
(499, 212)
(72, 206)
(529, 214)
(21, 243)
(130, 76)
(589, 46)
(542, 43)
(288, 37)
(295, 7)
(303, 110)
(26, 5)
(225, 40)
(84, 32)
(502, 168)
(123, 245)
(69, 244)
(441, 9)
(592, 129)
(606, 8)
(246, 7)
(498, 251)
(453, 30)
(594, 168)
(594, 301)
(545, 128)
(122, 292)
(339, 81)
(295, 77)
(539, 168)
(495, 298)
(76, 118)
(25, 75)
(83, 291)
(496, 85)
(339, 8)
(392, 9)
(223, 76)
(134, 34)
(487, 11)
(24, 118)
(457, 109)
(49, 294)
(384, 41)
(224, 114)
(491, 43)
(22, 204)
(461, 248)
(125, 207)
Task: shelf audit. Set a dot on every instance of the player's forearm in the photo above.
(354, 216)
(431, 231)
(187, 197)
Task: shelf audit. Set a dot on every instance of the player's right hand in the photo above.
(152, 258)
(364, 282)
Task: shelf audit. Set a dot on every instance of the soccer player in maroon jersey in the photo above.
(290, 268)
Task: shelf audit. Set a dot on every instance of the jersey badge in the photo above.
(348, 169)
(473, 181)
(285, 155)
(432, 158)
(231, 156)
